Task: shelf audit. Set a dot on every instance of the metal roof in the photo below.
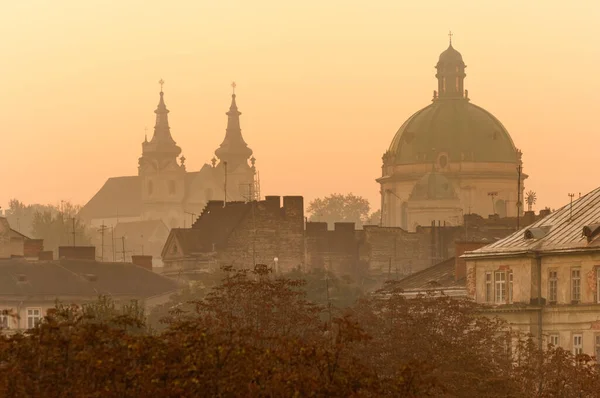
(559, 231)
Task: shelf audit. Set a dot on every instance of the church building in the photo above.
(165, 190)
(449, 159)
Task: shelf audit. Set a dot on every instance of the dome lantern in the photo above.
(450, 73)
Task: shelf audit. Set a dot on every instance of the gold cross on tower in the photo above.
(161, 82)
(450, 36)
(233, 85)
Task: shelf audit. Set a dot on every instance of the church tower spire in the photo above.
(161, 151)
(450, 73)
(233, 149)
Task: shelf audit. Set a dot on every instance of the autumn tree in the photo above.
(340, 208)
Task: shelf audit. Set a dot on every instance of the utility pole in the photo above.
(101, 230)
(123, 242)
(73, 219)
(571, 195)
(225, 186)
(114, 253)
(193, 217)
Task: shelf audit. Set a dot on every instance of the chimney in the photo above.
(460, 265)
(528, 218)
(33, 247)
(46, 255)
(77, 253)
(142, 261)
(544, 213)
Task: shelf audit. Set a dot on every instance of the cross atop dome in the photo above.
(450, 36)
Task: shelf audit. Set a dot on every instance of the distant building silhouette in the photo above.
(164, 189)
(449, 158)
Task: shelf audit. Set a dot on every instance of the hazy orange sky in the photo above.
(322, 85)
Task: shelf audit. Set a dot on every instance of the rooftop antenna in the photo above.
(101, 230)
(571, 195)
(530, 199)
(73, 219)
(193, 216)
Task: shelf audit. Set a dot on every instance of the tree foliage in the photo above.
(56, 225)
(340, 208)
(255, 335)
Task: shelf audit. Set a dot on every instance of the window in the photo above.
(150, 187)
(597, 348)
(456, 84)
(34, 316)
(500, 286)
(443, 84)
(554, 339)
(172, 187)
(575, 285)
(4, 321)
(488, 287)
(510, 288)
(577, 344)
(598, 284)
(552, 286)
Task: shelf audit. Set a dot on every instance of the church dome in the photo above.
(451, 127)
(450, 55)
(433, 186)
(458, 128)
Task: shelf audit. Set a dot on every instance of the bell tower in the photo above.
(233, 155)
(450, 73)
(162, 177)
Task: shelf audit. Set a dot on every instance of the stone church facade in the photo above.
(449, 159)
(165, 190)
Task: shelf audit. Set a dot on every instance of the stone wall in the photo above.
(266, 233)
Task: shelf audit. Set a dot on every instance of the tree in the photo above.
(56, 226)
(340, 208)
(20, 216)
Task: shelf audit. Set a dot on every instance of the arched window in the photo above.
(150, 187)
(172, 187)
(443, 84)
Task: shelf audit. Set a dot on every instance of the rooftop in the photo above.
(563, 230)
(439, 276)
(79, 278)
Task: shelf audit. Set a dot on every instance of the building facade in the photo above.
(164, 189)
(460, 153)
(545, 279)
(242, 234)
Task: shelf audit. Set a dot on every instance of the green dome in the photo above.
(460, 129)
(433, 186)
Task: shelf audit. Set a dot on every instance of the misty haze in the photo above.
(263, 199)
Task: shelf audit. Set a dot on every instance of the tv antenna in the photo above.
(530, 198)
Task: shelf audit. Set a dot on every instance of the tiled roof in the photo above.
(134, 229)
(438, 276)
(122, 197)
(559, 231)
(119, 196)
(66, 278)
(213, 227)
